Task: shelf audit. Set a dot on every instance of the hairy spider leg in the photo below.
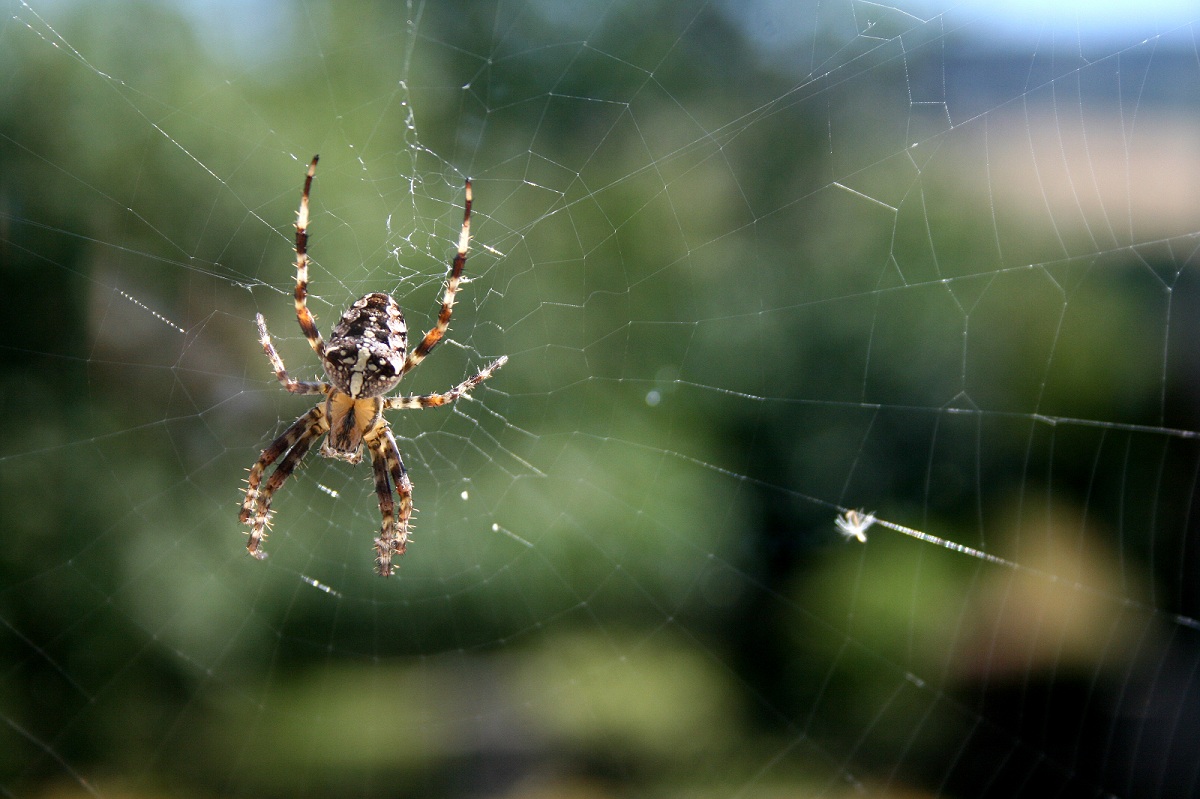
(281, 373)
(308, 325)
(436, 400)
(393, 537)
(296, 441)
(443, 322)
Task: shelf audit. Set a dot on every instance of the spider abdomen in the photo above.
(365, 353)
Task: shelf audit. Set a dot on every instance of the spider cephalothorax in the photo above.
(364, 359)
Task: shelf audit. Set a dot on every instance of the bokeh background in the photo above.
(753, 265)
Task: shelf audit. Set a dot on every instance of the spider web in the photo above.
(755, 267)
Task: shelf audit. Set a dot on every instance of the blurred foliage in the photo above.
(714, 343)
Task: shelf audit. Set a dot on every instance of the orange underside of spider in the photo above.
(350, 420)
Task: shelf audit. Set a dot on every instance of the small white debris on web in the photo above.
(854, 524)
(465, 496)
(331, 492)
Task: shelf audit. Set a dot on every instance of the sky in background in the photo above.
(1089, 18)
(785, 29)
(246, 29)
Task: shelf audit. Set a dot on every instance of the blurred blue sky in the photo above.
(785, 28)
(780, 27)
(1087, 18)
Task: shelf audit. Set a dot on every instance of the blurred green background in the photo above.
(749, 272)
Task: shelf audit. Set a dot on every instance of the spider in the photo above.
(363, 360)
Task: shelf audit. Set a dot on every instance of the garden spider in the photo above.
(364, 359)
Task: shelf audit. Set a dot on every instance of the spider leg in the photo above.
(307, 324)
(443, 323)
(389, 473)
(295, 441)
(435, 400)
(290, 383)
